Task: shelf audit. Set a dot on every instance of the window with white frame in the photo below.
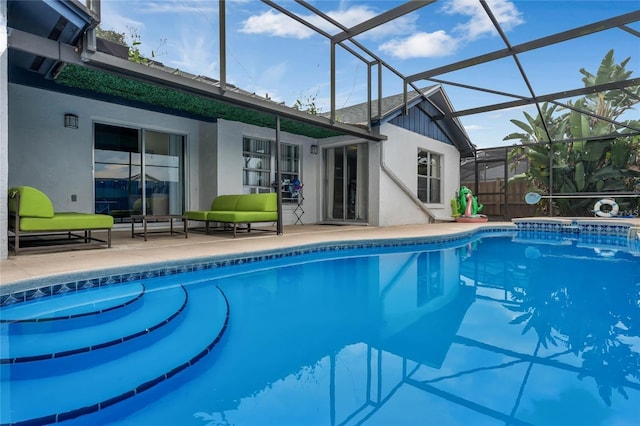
(290, 172)
(429, 177)
(256, 164)
(259, 167)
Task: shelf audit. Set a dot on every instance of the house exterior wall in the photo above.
(229, 174)
(419, 122)
(399, 155)
(207, 179)
(59, 160)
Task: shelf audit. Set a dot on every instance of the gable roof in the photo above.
(393, 106)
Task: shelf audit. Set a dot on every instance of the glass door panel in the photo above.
(117, 171)
(163, 173)
(346, 177)
(119, 167)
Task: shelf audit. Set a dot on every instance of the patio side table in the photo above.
(146, 218)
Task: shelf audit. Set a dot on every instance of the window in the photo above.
(430, 283)
(290, 172)
(130, 162)
(256, 155)
(259, 167)
(429, 177)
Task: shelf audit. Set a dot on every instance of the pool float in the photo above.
(469, 207)
(612, 211)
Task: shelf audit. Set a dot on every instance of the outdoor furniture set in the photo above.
(32, 218)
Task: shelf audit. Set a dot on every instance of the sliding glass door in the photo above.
(163, 181)
(346, 183)
(130, 162)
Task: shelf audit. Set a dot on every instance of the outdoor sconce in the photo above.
(71, 121)
(314, 149)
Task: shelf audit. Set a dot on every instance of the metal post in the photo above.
(278, 177)
(223, 43)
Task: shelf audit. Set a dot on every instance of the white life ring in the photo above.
(610, 202)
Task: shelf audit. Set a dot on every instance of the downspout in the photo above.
(403, 187)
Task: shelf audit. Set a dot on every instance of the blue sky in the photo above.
(270, 54)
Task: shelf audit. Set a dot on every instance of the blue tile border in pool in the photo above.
(27, 290)
(574, 226)
(32, 289)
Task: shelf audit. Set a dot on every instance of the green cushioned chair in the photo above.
(31, 211)
(238, 209)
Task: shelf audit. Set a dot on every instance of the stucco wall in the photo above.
(400, 156)
(58, 160)
(229, 174)
(201, 193)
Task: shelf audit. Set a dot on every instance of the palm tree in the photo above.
(591, 151)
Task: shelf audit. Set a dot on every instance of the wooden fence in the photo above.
(492, 196)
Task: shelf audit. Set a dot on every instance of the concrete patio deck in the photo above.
(127, 251)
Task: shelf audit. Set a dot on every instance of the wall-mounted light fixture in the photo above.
(314, 149)
(71, 121)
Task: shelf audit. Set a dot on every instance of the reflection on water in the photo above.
(504, 330)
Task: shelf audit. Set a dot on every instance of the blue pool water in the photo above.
(514, 328)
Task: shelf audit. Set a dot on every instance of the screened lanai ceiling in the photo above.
(497, 60)
(504, 57)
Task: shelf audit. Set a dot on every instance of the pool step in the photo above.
(45, 391)
(91, 301)
(57, 341)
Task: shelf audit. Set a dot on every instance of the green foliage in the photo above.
(308, 103)
(180, 102)
(132, 40)
(582, 162)
(111, 35)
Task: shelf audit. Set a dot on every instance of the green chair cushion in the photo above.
(33, 202)
(224, 202)
(239, 208)
(66, 222)
(242, 217)
(258, 203)
(196, 214)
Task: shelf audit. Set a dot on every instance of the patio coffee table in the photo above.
(146, 218)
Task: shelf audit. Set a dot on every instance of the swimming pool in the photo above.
(497, 327)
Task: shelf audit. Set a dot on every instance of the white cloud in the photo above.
(358, 14)
(275, 24)
(441, 43)
(195, 55)
(181, 6)
(475, 127)
(112, 19)
(479, 23)
(421, 45)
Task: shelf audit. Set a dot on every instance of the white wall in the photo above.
(59, 161)
(400, 156)
(201, 193)
(229, 174)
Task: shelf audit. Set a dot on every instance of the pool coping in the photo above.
(33, 288)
